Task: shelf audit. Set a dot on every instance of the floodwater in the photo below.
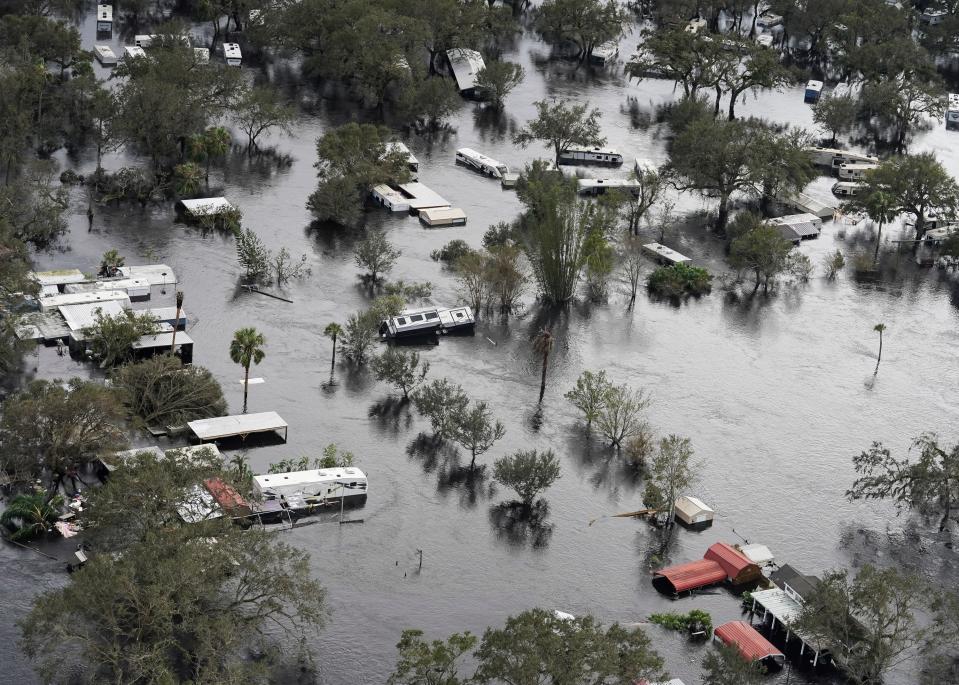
(776, 393)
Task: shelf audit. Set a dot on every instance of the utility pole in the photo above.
(420, 552)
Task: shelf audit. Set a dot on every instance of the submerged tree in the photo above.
(475, 429)
(879, 328)
(332, 331)
(724, 665)
(259, 109)
(401, 369)
(542, 346)
(590, 394)
(430, 663)
(561, 127)
(246, 348)
(620, 417)
(442, 402)
(930, 485)
(161, 391)
(671, 472)
(30, 515)
(498, 79)
(111, 338)
(760, 248)
(376, 255)
(836, 114)
(528, 472)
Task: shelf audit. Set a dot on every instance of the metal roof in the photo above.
(206, 206)
(752, 645)
(730, 559)
(466, 64)
(58, 276)
(162, 340)
(240, 424)
(80, 316)
(692, 575)
(421, 197)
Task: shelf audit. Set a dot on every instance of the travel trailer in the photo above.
(481, 162)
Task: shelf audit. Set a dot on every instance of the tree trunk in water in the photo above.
(719, 96)
(333, 361)
(723, 214)
(948, 512)
(875, 257)
(246, 385)
(473, 461)
(879, 356)
(542, 383)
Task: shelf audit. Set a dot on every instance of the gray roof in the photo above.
(802, 585)
(240, 424)
(162, 340)
(80, 316)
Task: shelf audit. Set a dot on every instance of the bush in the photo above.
(527, 472)
(679, 280)
(696, 620)
(452, 252)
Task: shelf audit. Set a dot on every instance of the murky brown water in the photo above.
(773, 393)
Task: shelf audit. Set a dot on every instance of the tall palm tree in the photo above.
(543, 345)
(247, 348)
(176, 321)
(881, 208)
(332, 330)
(204, 147)
(879, 328)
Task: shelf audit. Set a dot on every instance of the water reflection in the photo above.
(522, 526)
(391, 414)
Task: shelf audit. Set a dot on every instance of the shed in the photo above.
(206, 206)
(739, 569)
(465, 65)
(240, 425)
(152, 345)
(688, 576)
(758, 554)
(797, 227)
(751, 645)
(693, 513)
(443, 216)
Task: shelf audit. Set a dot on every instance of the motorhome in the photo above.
(104, 18)
(428, 321)
(105, 55)
(590, 155)
(481, 162)
(465, 64)
(952, 111)
(855, 171)
(232, 55)
(813, 91)
(604, 53)
(312, 487)
(846, 188)
(834, 158)
(599, 186)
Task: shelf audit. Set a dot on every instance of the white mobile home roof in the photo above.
(666, 253)
(58, 277)
(54, 301)
(133, 287)
(134, 51)
(302, 478)
(205, 206)
(392, 198)
(466, 64)
(164, 339)
(80, 316)
(232, 51)
(104, 12)
(401, 147)
(241, 424)
(154, 274)
(421, 197)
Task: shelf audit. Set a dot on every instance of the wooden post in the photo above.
(420, 552)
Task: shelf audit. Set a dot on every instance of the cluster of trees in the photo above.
(616, 410)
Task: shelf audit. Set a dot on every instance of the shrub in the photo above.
(451, 253)
(694, 621)
(679, 280)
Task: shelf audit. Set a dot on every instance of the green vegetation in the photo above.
(332, 458)
(679, 280)
(561, 126)
(246, 348)
(30, 515)
(693, 621)
(376, 255)
(528, 472)
(401, 369)
(724, 665)
(671, 471)
(160, 391)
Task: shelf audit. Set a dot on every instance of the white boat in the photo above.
(590, 155)
(312, 487)
(105, 55)
(481, 162)
(232, 55)
(104, 18)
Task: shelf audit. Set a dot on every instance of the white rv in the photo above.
(813, 91)
(590, 155)
(833, 158)
(846, 188)
(855, 171)
(312, 487)
(142, 40)
(605, 53)
(952, 111)
(599, 186)
(232, 54)
(411, 161)
(465, 65)
(131, 51)
(105, 55)
(104, 18)
(645, 166)
(481, 162)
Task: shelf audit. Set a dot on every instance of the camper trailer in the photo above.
(813, 91)
(131, 51)
(590, 155)
(599, 186)
(232, 55)
(833, 158)
(481, 162)
(465, 65)
(846, 188)
(605, 53)
(312, 487)
(952, 111)
(104, 18)
(854, 171)
(105, 55)
(428, 321)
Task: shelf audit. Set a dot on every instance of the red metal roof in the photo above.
(750, 643)
(225, 494)
(693, 574)
(731, 559)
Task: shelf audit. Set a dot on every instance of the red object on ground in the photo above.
(751, 645)
(690, 576)
(226, 496)
(738, 568)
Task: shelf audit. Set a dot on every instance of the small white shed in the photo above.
(693, 513)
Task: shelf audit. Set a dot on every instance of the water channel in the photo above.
(775, 392)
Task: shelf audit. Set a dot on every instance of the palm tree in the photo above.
(879, 328)
(247, 348)
(543, 345)
(32, 513)
(176, 321)
(332, 330)
(204, 147)
(881, 208)
(186, 179)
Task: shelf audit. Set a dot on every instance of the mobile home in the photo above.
(855, 171)
(952, 111)
(411, 161)
(315, 486)
(605, 53)
(590, 155)
(428, 321)
(481, 162)
(390, 198)
(143, 40)
(645, 166)
(421, 197)
(465, 65)
(846, 188)
(813, 91)
(599, 186)
(105, 55)
(232, 55)
(104, 18)
(834, 158)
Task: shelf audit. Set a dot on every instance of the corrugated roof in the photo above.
(80, 316)
(694, 574)
(242, 424)
(732, 560)
(225, 494)
(750, 643)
